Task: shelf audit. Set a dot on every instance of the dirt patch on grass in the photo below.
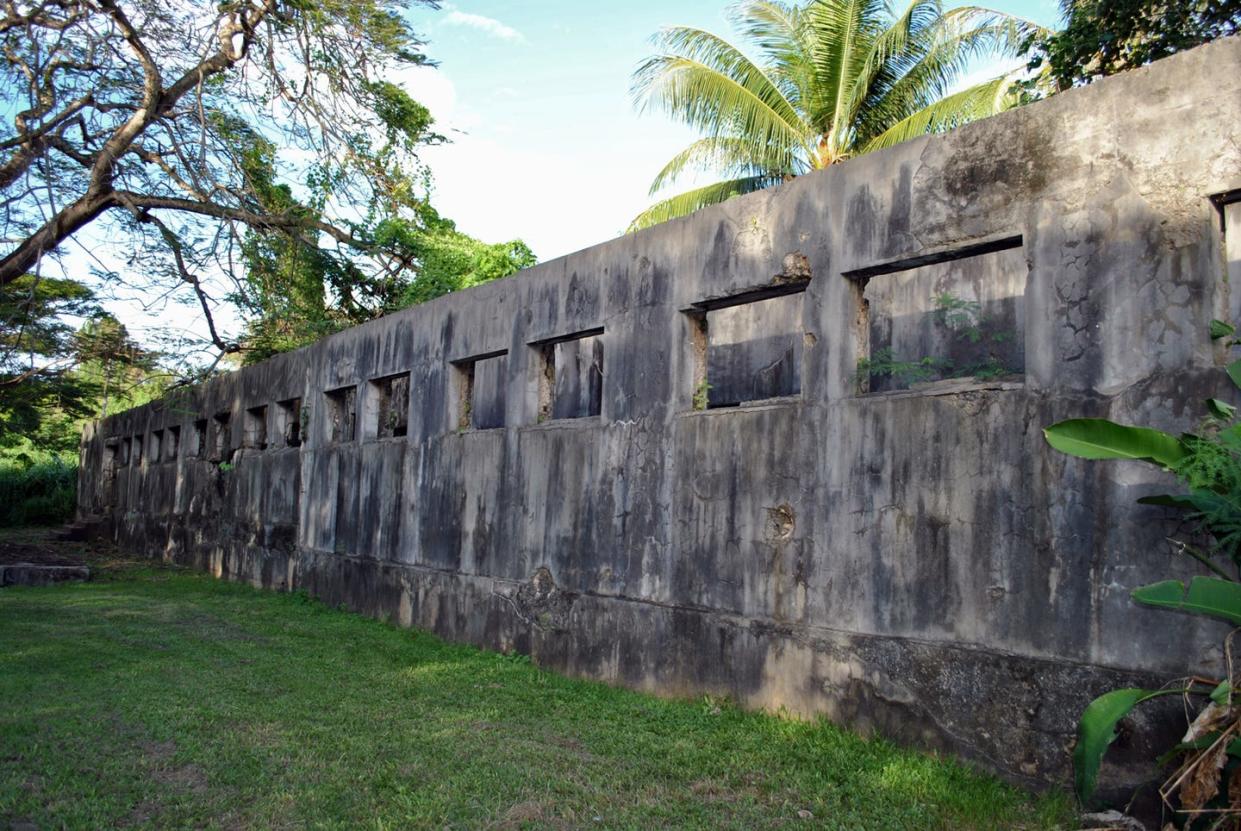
(533, 813)
(40, 547)
(12, 553)
(172, 781)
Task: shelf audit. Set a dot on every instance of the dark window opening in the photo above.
(342, 414)
(222, 449)
(290, 415)
(571, 376)
(1230, 219)
(137, 450)
(126, 451)
(157, 445)
(255, 433)
(201, 449)
(481, 385)
(747, 348)
(391, 404)
(172, 446)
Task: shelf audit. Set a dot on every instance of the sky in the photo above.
(546, 143)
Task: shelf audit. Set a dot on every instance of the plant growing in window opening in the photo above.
(1205, 786)
(702, 394)
(964, 321)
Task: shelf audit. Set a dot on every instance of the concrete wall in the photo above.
(915, 561)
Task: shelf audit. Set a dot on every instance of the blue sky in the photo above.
(547, 145)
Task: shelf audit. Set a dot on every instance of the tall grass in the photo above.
(38, 491)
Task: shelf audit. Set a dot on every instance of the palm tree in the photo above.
(837, 78)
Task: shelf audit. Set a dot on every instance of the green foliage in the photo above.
(965, 323)
(883, 364)
(296, 293)
(1097, 730)
(404, 119)
(32, 316)
(451, 261)
(833, 79)
(702, 394)
(959, 315)
(1098, 438)
(53, 376)
(1208, 596)
(1103, 37)
(38, 491)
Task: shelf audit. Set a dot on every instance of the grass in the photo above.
(164, 699)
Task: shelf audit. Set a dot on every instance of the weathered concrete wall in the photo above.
(916, 561)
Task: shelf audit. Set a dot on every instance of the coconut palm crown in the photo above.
(837, 78)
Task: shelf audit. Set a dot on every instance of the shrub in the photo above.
(39, 492)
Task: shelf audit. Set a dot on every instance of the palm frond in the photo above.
(978, 101)
(707, 83)
(895, 42)
(731, 157)
(931, 63)
(778, 32)
(690, 201)
(1008, 34)
(843, 31)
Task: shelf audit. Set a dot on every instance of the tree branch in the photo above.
(178, 255)
(258, 221)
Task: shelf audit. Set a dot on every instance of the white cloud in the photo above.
(489, 25)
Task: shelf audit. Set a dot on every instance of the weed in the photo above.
(702, 394)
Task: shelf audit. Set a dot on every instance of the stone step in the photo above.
(33, 574)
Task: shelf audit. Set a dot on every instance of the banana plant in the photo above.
(1208, 463)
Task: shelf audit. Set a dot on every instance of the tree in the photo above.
(208, 136)
(283, 295)
(1103, 37)
(452, 261)
(836, 78)
(53, 375)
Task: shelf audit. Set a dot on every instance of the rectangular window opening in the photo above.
(290, 421)
(949, 316)
(221, 449)
(1229, 205)
(481, 383)
(748, 348)
(342, 407)
(201, 450)
(172, 444)
(127, 446)
(390, 397)
(157, 445)
(255, 433)
(137, 450)
(571, 375)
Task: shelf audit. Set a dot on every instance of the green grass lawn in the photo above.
(164, 699)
